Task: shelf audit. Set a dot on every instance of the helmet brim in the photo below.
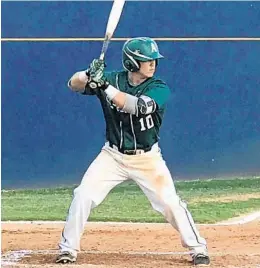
(157, 57)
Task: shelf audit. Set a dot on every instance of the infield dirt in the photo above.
(125, 245)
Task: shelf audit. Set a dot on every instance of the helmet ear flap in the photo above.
(130, 66)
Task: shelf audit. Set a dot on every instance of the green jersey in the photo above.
(127, 131)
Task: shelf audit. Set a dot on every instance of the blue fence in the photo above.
(212, 125)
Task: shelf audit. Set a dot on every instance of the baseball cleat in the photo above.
(200, 259)
(65, 257)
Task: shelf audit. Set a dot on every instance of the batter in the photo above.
(133, 103)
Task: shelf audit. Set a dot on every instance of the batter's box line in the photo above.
(13, 257)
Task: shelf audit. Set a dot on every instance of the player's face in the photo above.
(147, 68)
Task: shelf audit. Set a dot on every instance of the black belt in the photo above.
(129, 152)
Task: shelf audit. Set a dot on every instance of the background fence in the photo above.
(212, 125)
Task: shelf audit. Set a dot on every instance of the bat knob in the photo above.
(93, 85)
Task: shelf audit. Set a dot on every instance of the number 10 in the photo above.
(149, 122)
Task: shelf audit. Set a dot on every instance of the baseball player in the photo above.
(133, 103)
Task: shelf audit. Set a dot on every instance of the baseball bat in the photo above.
(112, 22)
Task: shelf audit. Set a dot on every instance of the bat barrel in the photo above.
(113, 19)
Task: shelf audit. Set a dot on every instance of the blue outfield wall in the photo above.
(212, 126)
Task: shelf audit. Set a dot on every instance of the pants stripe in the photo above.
(191, 225)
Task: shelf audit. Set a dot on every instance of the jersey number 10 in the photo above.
(149, 122)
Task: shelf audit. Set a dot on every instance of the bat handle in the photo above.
(102, 56)
(105, 46)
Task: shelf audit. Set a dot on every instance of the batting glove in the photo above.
(102, 83)
(96, 75)
(96, 69)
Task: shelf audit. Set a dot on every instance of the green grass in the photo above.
(211, 212)
(127, 203)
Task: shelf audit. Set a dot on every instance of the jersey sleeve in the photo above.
(159, 92)
(111, 77)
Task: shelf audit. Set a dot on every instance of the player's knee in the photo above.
(85, 194)
(171, 199)
(82, 193)
(78, 191)
(165, 201)
(158, 207)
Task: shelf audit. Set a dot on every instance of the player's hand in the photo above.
(96, 69)
(96, 75)
(101, 83)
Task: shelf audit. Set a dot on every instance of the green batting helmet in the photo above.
(139, 49)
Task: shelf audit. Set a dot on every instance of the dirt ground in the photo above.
(133, 245)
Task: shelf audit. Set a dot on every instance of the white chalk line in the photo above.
(13, 257)
(242, 220)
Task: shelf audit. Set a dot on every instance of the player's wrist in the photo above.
(100, 84)
(111, 92)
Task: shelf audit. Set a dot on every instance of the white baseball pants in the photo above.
(150, 172)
